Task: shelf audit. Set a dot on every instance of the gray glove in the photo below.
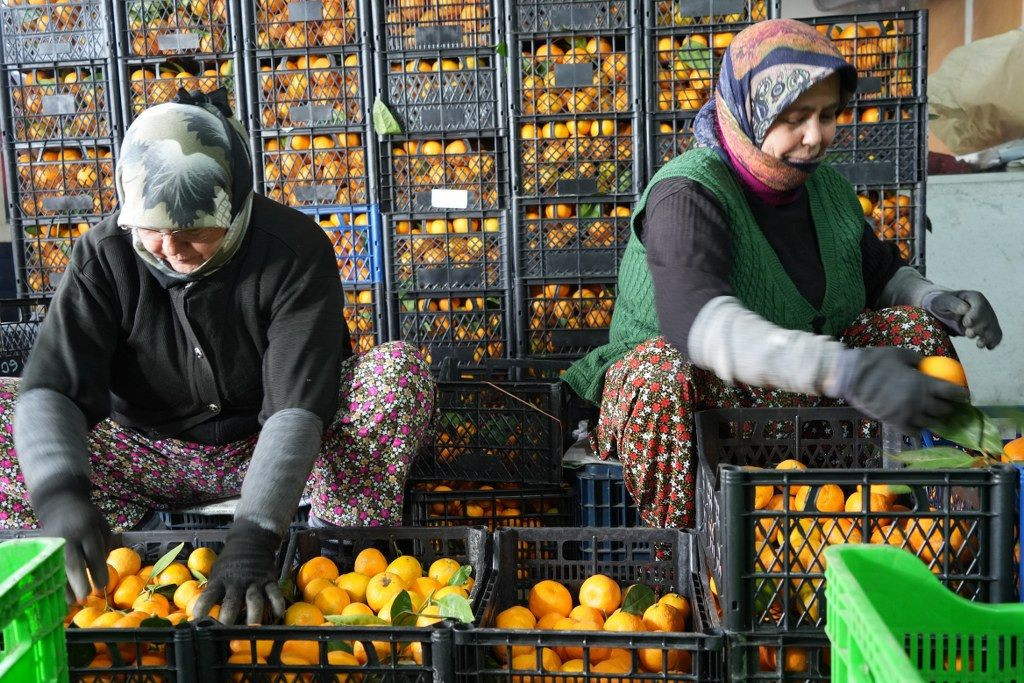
(967, 313)
(65, 511)
(245, 570)
(885, 384)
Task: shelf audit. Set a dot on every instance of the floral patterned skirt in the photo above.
(386, 398)
(651, 394)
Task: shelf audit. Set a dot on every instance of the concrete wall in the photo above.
(975, 243)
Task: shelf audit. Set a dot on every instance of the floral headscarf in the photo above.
(765, 69)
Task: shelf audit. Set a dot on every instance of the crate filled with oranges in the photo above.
(685, 64)
(45, 251)
(404, 25)
(60, 102)
(776, 487)
(896, 213)
(163, 28)
(881, 144)
(668, 137)
(137, 626)
(779, 657)
(365, 315)
(666, 14)
(281, 24)
(441, 172)
(468, 327)
(565, 319)
(448, 503)
(560, 240)
(317, 90)
(52, 180)
(574, 114)
(364, 604)
(355, 233)
(54, 31)
(448, 252)
(301, 169)
(150, 81)
(553, 606)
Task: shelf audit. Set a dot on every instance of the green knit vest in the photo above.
(757, 278)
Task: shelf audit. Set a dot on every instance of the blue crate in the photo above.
(356, 239)
(603, 501)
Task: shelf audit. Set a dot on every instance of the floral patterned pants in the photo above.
(386, 398)
(651, 394)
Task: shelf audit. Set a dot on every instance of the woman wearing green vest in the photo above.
(752, 279)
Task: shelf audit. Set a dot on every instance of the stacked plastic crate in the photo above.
(686, 42)
(307, 65)
(61, 130)
(440, 118)
(881, 144)
(576, 164)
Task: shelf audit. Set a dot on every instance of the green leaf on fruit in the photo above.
(384, 122)
(287, 587)
(80, 655)
(155, 622)
(165, 561)
(696, 56)
(456, 607)
(970, 428)
(460, 577)
(589, 210)
(938, 458)
(167, 590)
(502, 49)
(341, 645)
(637, 599)
(355, 620)
(401, 610)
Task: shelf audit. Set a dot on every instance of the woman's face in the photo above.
(806, 128)
(183, 250)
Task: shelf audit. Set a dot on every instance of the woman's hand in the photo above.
(245, 571)
(968, 313)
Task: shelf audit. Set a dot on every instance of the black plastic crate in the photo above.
(573, 16)
(881, 145)
(448, 253)
(783, 657)
(280, 25)
(457, 503)
(494, 431)
(767, 558)
(43, 251)
(387, 653)
(443, 91)
(668, 137)
(400, 25)
(577, 239)
(897, 214)
(217, 516)
(155, 28)
(447, 171)
(58, 31)
(19, 326)
(525, 556)
(364, 314)
(890, 51)
(670, 14)
(156, 80)
(469, 327)
(684, 65)
(304, 167)
(325, 91)
(50, 180)
(564, 319)
(505, 369)
(603, 499)
(60, 103)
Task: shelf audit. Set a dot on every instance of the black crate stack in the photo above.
(308, 70)
(444, 177)
(61, 130)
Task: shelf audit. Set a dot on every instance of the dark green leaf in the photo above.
(165, 561)
(589, 210)
(80, 654)
(502, 49)
(526, 65)
(456, 607)
(637, 599)
(384, 122)
(355, 620)
(939, 458)
(401, 610)
(460, 577)
(167, 590)
(540, 69)
(287, 587)
(969, 427)
(696, 56)
(336, 645)
(156, 622)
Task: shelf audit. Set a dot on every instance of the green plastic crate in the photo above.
(32, 610)
(889, 619)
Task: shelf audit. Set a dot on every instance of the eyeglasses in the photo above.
(197, 235)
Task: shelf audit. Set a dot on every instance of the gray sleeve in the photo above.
(51, 437)
(285, 451)
(739, 345)
(907, 288)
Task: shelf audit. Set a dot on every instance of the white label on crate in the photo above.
(449, 199)
(705, 8)
(323, 194)
(59, 104)
(55, 49)
(178, 41)
(73, 203)
(306, 10)
(311, 114)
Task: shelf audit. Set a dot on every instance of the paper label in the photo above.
(178, 41)
(306, 10)
(449, 199)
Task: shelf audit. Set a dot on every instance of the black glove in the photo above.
(967, 313)
(64, 510)
(244, 570)
(884, 383)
